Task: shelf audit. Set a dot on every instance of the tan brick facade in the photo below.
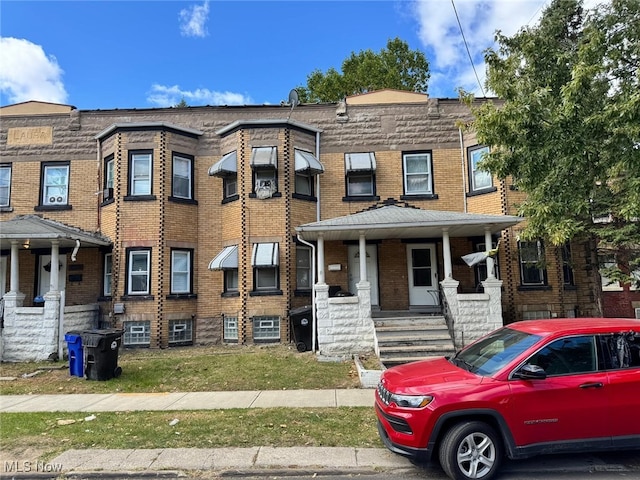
(201, 226)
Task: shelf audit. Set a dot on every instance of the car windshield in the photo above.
(491, 353)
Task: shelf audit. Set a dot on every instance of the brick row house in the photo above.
(209, 225)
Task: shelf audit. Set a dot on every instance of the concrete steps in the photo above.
(403, 339)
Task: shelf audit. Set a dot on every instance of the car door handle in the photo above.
(592, 385)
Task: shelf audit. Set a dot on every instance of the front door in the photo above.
(45, 273)
(372, 270)
(423, 275)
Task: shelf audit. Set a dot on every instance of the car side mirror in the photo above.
(530, 372)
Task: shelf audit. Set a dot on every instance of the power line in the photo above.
(467, 47)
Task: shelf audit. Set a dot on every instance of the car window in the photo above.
(567, 355)
(621, 350)
(489, 354)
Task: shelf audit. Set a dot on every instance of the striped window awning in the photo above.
(307, 162)
(360, 162)
(265, 255)
(264, 157)
(227, 165)
(227, 259)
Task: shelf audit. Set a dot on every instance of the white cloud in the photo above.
(193, 20)
(28, 73)
(440, 34)
(167, 96)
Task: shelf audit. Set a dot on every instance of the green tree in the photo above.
(395, 66)
(567, 126)
(182, 103)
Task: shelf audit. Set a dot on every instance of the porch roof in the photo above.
(392, 221)
(39, 232)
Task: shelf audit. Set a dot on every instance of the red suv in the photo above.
(532, 387)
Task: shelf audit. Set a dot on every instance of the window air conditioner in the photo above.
(107, 193)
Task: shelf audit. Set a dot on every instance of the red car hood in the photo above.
(420, 377)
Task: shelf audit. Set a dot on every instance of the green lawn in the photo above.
(189, 369)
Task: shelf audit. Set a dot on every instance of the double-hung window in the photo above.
(608, 263)
(138, 272)
(55, 184)
(108, 273)
(181, 268)
(182, 176)
(478, 179)
(567, 266)
(109, 175)
(303, 268)
(418, 179)
(140, 168)
(532, 271)
(5, 184)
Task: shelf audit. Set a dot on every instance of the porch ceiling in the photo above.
(37, 232)
(392, 221)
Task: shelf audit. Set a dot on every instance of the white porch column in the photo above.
(488, 245)
(321, 279)
(362, 247)
(55, 266)
(446, 253)
(14, 282)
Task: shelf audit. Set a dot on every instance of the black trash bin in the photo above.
(302, 327)
(101, 353)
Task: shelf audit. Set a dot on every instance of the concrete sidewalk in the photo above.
(129, 402)
(199, 462)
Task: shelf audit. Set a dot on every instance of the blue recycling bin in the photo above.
(76, 359)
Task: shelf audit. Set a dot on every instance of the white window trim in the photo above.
(407, 175)
(140, 157)
(110, 172)
(108, 275)
(186, 272)
(7, 186)
(60, 199)
(475, 155)
(189, 162)
(131, 274)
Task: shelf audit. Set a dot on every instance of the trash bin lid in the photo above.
(301, 310)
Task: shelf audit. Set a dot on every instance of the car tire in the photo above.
(471, 451)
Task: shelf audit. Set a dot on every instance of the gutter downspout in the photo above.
(313, 290)
(464, 196)
(318, 178)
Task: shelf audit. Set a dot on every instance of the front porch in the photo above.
(34, 325)
(346, 326)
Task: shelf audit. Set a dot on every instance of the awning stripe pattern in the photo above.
(360, 162)
(227, 165)
(306, 161)
(227, 259)
(264, 157)
(265, 255)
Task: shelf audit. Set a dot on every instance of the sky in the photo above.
(147, 54)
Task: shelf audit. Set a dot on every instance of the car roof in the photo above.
(556, 326)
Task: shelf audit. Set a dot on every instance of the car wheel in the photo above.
(471, 450)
